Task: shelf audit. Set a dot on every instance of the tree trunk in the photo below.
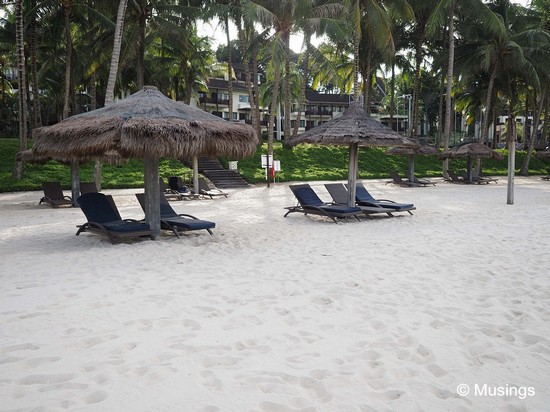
(229, 69)
(419, 57)
(256, 113)
(305, 75)
(367, 83)
(356, 41)
(22, 102)
(287, 107)
(115, 57)
(524, 171)
(140, 69)
(450, 67)
(67, 5)
(271, 123)
(511, 154)
(37, 115)
(392, 93)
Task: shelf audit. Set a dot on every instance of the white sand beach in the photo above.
(282, 314)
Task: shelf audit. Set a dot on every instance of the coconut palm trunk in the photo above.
(36, 112)
(22, 102)
(448, 97)
(271, 123)
(287, 105)
(113, 72)
(229, 68)
(67, 6)
(115, 57)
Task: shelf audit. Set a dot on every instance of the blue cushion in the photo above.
(306, 196)
(190, 224)
(340, 209)
(97, 208)
(123, 226)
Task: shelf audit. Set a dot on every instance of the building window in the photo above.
(243, 98)
(302, 123)
(235, 116)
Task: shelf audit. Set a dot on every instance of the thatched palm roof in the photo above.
(410, 151)
(355, 126)
(472, 149)
(146, 123)
(29, 156)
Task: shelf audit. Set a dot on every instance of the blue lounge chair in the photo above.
(310, 203)
(363, 197)
(177, 222)
(339, 194)
(104, 219)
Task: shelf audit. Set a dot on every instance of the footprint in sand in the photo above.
(46, 379)
(96, 397)
(209, 379)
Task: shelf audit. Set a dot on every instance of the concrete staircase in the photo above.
(218, 175)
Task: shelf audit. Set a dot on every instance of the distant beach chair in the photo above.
(205, 189)
(104, 219)
(476, 178)
(547, 177)
(176, 186)
(310, 203)
(422, 181)
(454, 178)
(168, 192)
(177, 222)
(88, 187)
(398, 180)
(53, 195)
(339, 194)
(363, 197)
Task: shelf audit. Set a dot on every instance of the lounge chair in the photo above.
(104, 219)
(547, 177)
(88, 187)
(364, 198)
(339, 194)
(422, 181)
(168, 192)
(454, 178)
(205, 189)
(398, 180)
(176, 186)
(53, 195)
(310, 203)
(177, 222)
(482, 179)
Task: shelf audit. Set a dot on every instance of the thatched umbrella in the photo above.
(470, 150)
(146, 125)
(411, 152)
(354, 128)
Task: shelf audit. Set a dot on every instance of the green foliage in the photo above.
(301, 163)
(127, 175)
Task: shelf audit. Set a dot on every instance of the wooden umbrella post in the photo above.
(152, 193)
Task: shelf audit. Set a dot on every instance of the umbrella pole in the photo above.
(352, 172)
(152, 193)
(196, 175)
(411, 168)
(469, 166)
(75, 181)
